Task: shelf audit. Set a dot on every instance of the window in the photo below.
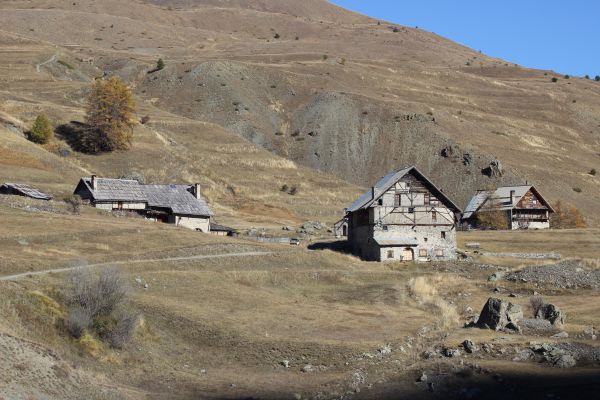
(397, 200)
(424, 239)
(411, 209)
(422, 252)
(439, 253)
(434, 202)
(434, 216)
(384, 227)
(534, 201)
(380, 201)
(443, 235)
(426, 199)
(390, 254)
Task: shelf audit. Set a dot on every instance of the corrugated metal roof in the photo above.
(178, 198)
(26, 190)
(385, 183)
(109, 189)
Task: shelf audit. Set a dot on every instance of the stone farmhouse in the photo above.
(522, 207)
(403, 217)
(182, 205)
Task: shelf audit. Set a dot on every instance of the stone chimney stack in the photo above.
(197, 190)
(373, 192)
(94, 182)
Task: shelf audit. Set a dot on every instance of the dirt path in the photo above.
(51, 59)
(125, 262)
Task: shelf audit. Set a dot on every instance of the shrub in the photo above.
(395, 30)
(42, 130)
(325, 57)
(567, 76)
(99, 304)
(276, 36)
(494, 219)
(577, 189)
(587, 77)
(160, 64)
(566, 217)
(74, 201)
(109, 116)
(536, 303)
(293, 191)
(597, 78)
(593, 172)
(554, 79)
(145, 119)
(284, 188)
(297, 38)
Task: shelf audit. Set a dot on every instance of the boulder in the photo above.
(497, 314)
(467, 158)
(469, 346)
(564, 361)
(494, 170)
(496, 276)
(551, 313)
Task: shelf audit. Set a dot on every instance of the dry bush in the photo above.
(566, 217)
(536, 303)
(74, 201)
(494, 219)
(425, 290)
(99, 303)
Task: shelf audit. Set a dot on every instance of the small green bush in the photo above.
(42, 130)
(567, 76)
(597, 78)
(554, 79)
(577, 189)
(593, 172)
(160, 64)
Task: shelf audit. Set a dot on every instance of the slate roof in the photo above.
(500, 199)
(109, 189)
(177, 198)
(395, 241)
(385, 183)
(221, 228)
(25, 190)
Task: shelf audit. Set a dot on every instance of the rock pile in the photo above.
(565, 274)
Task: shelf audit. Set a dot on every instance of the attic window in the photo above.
(426, 199)
(443, 235)
(397, 200)
(380, 201)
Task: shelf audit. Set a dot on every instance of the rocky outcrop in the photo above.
(551, 313)
(498, 314)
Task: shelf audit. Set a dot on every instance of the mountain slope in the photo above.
(308, 81)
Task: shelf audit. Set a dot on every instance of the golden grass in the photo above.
(19, 159)
(425, 289)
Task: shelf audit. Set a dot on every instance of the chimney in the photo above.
(94, 183)
(373, 192)
(197, 190)
(512, 197)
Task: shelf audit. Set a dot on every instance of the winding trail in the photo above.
(125, 262)
(51, 59)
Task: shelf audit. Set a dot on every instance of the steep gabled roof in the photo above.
(501, 199)
(109, 189)
(385, 183)
(177, 198)
(25, 190)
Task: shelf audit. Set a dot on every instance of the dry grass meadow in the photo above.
(222, 327)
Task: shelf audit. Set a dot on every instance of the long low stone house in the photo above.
(182, 205)
(521, 207)
(402, 217)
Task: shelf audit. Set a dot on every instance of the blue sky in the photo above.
(563, 36)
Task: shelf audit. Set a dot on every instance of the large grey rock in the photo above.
(497, 314)
(551, 313)
(564, 361)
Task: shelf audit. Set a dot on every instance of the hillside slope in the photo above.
(326, 88)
